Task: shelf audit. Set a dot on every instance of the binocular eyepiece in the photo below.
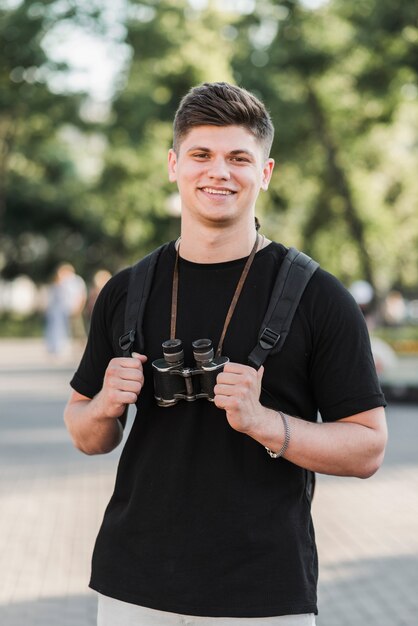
(174, 382)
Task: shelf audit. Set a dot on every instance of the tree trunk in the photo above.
(340, 182)
(7, 132)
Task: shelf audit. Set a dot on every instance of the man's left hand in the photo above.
(237, 391)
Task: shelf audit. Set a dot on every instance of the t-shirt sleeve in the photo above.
(343, 372)
(105, 329)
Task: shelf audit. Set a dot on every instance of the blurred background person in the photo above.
(100, 278)
(394, 309)
(67, 297)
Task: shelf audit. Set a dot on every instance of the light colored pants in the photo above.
(113, 612)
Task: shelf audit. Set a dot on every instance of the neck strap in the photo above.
(238, 289)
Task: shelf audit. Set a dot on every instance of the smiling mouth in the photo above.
(217, 192)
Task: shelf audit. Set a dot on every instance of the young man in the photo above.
(203, 521)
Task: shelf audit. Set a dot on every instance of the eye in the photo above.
(200, 155)
(240, 159)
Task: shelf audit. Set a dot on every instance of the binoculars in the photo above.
(174, 382)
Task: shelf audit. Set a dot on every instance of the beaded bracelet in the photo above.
(277, 455)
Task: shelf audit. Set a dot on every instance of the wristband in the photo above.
(277, 455)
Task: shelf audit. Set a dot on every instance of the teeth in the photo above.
(222, 192)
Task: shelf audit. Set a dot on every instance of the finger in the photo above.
(116, 376)
(224, 390)
(228, 403)
(128, 397)
(247, 376)
(236, 368)
(227, 378)
(126, 373)
(220, 401)
(127, 362)
(120, 396)
(242, 371)
(129, 384)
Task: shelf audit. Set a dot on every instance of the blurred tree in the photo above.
(41, 221)
(385, 34)
(328, 115)
(174, 47)
(340, 81)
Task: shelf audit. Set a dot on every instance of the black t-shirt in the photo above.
(202, 521)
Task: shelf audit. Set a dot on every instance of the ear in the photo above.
(267, 172)
(172, 166)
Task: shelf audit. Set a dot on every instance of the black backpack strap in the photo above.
(296, 271)
(140, 282)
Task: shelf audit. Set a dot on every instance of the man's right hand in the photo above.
(93, 422)
(122, 384)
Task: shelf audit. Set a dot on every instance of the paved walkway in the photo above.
(52, 500)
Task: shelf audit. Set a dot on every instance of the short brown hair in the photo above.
(222, 104)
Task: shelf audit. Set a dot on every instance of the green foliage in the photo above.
(12, 325)
(173, 49)
(38, 181)
(339, 109)
(340, 82)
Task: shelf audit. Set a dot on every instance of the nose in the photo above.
(218, 169)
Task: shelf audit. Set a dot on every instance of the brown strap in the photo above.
(234, 300)
(237, 295)
(174, 294)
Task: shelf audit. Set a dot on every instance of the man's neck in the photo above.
(217, 245)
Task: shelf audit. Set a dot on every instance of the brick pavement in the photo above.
(52, 501)
(367, 534)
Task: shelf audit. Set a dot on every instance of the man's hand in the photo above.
(92, 422)
(237, 391)
(122, 384)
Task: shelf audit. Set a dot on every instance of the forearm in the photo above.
(91, 430)
(343, 448)
(94, 423)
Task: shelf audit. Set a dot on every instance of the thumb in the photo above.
(140, 357)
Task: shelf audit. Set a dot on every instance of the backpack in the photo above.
(295, 272)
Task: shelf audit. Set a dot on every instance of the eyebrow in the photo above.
(243, 151)
(232, 152)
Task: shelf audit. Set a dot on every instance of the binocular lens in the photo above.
(202, 350)
(173, 351)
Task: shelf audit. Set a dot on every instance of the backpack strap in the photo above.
(295, 272)
(140, 282)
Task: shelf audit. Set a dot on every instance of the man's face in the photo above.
(219, 171)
